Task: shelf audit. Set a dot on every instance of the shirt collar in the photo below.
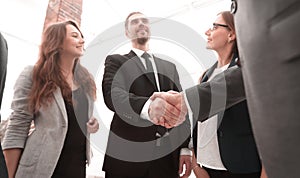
(223, 67)
(139, 52)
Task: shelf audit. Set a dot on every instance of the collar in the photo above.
(139, 52)
(223, 67)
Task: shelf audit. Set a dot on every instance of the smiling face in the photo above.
(137, 28)
(219, 35)
(73, 44)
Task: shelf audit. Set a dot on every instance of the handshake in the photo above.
(167, 109)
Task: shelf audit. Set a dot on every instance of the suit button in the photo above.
(233, 6)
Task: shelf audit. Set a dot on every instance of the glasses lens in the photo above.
(213, 27)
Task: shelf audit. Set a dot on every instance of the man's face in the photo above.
(138, 29)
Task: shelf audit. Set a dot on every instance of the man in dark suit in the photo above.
(3, 67)
(138, 146)
(268, 37)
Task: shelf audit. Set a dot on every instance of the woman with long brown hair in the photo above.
(56, 95)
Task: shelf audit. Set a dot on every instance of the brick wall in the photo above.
(60, 10)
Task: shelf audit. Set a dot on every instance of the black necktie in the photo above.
(150, 72)
(147, 57)
(160, 131)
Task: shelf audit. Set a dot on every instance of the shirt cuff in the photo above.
(186, 151)
(190, 112)
(144, 114)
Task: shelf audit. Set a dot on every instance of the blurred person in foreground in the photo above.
(268, 42)
(3, 68)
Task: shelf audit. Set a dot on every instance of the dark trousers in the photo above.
(3, 170)
(160, 168)
(226, 174)
(148, 175)
(107, 175)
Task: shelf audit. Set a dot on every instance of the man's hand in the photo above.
(163, 113)
(171, 111)
(187, 161)
(156, 110)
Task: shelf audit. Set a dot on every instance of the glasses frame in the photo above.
(215, 25)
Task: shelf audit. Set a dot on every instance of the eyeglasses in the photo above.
(216, 25)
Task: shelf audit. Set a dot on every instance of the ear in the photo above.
(126, 33)
(231, 37)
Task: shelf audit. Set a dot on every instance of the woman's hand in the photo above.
(92, 125)
(198, 171)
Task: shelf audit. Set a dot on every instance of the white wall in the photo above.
(21, 23)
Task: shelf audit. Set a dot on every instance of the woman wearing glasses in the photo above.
(224, 143)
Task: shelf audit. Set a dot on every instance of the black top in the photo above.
(72, 161)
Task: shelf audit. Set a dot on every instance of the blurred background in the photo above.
(22, 23)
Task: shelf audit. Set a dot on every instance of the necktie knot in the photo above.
(146, 55)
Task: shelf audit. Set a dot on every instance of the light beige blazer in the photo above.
(43, 146)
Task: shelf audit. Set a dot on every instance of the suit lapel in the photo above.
(233, 62)
(91, 105)
(160, 71)
(209, 72)
(132, 56)
(61, 105)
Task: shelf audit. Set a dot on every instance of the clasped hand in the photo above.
(167, 109)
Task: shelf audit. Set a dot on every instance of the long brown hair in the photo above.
(47, 75)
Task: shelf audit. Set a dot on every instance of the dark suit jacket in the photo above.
(200, 96)
(235, 137)
(132, 146)
(3, 67)
(268, 38)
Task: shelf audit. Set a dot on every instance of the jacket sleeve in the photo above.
(116, 92)
(223, 91)
(182, 133)
(20, 119)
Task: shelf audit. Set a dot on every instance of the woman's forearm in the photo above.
(12, 157)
